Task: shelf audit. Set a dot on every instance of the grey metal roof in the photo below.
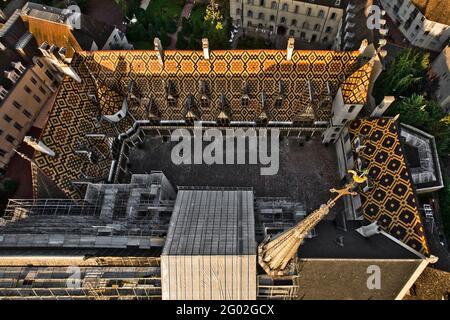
(212, 222)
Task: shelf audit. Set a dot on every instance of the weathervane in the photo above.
(275, 255)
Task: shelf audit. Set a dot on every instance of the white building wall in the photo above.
(419, 30)
(304, 20)
(441, 67)
(341, 114)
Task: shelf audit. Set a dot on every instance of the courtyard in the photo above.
(306, 171)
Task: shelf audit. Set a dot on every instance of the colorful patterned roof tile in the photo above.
(110, 101)
(392, 201)
(355, 89)
(306, 80)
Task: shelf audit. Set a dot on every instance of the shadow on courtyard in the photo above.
(306, 173)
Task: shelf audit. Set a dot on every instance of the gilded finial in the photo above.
(359, 178)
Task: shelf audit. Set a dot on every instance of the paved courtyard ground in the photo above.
(306, 173)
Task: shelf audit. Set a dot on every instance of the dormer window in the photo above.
(281, 88)
(18, 66)
(222, 101)
(263, 100)
(204, 102)
(171, 93)
(12, 76)
(3, 92)
(245, 100)
(171, 101)
(279, 102)
(204, 89)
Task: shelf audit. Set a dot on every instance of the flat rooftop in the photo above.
(212, 222)
(355, 246)
(306, 173)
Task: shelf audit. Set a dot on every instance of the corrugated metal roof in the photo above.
(212, 222)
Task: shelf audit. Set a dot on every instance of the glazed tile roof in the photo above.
(355, 88)
(392, 201)
(188, 77)
(110, 100)
(53, 33)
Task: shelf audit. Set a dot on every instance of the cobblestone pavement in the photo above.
(306, 172)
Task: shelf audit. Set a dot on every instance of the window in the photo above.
(38, 100)
(1, 132)
(172, 102)
(3, 92)
(204, 102)
(39, 63)
(325, 39)
(33, 80)
(238, 11)
(261, 16)
(279, 102)
(42, 90)
(7, 118)
(17, 105)
(291, 32)
(305, 25)
(285, 7)
(308, 11)
(302, 35)
(2, 153)
(27, 113)
(350, 110)
(10, 139)
(249, 23)
(273, 5)
(346, 138)
(250, 13)
(261, 3)
(250, 2)
(244, 102)
(321, 14)
(349, 154)
(333, 16)
(283, 20)
(294, 22)
(328, 29)
(49, 74)
(272, 18)
(18, 126)
(343, 121)
(296, 9)
(27, 89)
(317, 27)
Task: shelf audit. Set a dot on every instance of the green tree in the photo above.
(400, 76)
(182, 44)
(412, 110)
(427, 115)
(165, 39)
(170, 26)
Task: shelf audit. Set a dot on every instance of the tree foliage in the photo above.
(426, 115)
(402, 74)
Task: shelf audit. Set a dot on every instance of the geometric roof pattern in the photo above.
(227, 73)
(75, 122)
(356, 88)
(110, 101)
(392, 199)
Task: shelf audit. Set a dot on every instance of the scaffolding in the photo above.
(67, 283)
